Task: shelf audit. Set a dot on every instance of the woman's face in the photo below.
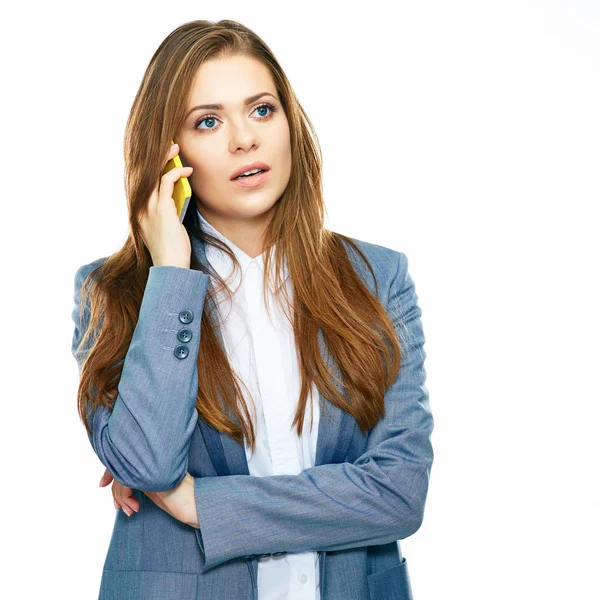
(216, 142)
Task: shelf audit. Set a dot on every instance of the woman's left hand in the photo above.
(179, 502)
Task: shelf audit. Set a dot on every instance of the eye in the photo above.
(211, 119)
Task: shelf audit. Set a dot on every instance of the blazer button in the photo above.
(278, 553)
(262, 555)
(181, 351)
(184, 335)
(186, 316)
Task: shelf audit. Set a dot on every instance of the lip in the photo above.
(250, 167)
(254, 181)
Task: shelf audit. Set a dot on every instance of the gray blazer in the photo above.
(364, 493)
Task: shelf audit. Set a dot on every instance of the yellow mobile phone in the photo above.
(182, 191)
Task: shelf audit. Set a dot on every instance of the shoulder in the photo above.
(80, 312)
(390, 266)
(382, 256)
(83, 271)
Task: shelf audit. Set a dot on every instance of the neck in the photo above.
(246, 233)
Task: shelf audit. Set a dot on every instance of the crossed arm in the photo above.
(375, 500)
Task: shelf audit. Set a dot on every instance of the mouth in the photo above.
(250, 175)
(252, 180)
(249, 171)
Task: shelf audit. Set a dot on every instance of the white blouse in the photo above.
(263, 354)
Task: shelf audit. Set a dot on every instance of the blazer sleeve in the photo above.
(144, 441)
(377, 499)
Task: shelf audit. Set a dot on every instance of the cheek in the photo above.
(285, 151)
(281, 143)
(287, 143)
(206, 170)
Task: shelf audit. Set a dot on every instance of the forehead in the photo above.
(229, 81)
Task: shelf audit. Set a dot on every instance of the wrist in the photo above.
(171, 263)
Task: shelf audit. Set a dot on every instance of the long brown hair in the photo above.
(329, 296)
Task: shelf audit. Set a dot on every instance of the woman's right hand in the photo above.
(163, 233)
(122, 495)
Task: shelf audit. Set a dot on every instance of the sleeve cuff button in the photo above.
(184, 335)
(186, 316)
(181, 351)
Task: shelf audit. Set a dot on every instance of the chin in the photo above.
(252, 207)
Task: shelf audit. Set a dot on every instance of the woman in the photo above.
(253, 382)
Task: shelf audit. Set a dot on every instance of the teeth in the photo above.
(249, 173)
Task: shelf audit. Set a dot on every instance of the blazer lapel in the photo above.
(336, 426)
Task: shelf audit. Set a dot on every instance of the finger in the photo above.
(131, 503)
(167, 183)
(123, 505)
(106, 478)
(171, 152)
(125, 497)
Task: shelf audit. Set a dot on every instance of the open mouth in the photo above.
(250, 175)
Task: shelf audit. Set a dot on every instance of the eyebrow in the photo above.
(247, 101)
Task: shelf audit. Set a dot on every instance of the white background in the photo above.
(465, 134)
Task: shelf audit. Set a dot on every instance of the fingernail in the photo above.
(173, 146)
(126, 512)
